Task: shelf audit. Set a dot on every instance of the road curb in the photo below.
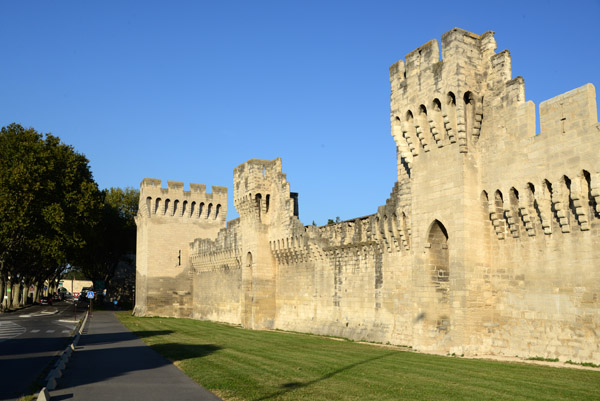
(61, 363)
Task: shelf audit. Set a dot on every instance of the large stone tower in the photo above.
(436, 115)
(167, 221)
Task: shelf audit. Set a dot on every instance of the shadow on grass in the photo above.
(152, 333)
(291, 386)
(180, 352)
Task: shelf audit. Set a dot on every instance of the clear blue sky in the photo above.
(188, 90)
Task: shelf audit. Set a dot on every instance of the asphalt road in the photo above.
(29, 340)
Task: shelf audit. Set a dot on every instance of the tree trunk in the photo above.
(2, 289)
(36, 293)
(16, 292)
(24, 293)
(6, 298)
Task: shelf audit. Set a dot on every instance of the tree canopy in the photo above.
(53, 216)
(114, 238)
(50, 204)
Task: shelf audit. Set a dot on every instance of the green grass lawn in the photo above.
(239, 364)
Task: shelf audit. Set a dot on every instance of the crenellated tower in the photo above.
(484, 187)
(438, 103)
(168, 220)
(262, 198)
(437, 112)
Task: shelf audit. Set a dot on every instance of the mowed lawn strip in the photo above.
(239, 364)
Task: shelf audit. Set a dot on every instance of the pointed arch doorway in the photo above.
(438, 277)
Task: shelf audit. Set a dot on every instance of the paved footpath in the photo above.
(111, 363)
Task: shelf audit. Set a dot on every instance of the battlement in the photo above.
(572, 111)
(459, 47)
(174, 202)
(437, 103)
(261, 186)
(255, 176)
(468, 101)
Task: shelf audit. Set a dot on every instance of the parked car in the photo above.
(45, 301)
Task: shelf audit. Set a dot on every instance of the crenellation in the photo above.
(515, 91)
(454, 261)
(175, 186)
(501, 70)
(397, 74)
(174, 202)
(200, 188)
(151, 182)
(570, 112)
(422, 59)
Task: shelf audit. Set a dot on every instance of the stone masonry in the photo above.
(488, 244)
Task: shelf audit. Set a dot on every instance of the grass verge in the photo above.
(239, 364)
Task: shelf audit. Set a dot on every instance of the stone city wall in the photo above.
(488, 244)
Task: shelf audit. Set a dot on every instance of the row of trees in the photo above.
(53, 217)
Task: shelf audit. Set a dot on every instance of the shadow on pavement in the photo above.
(98, 365)
(108, 338)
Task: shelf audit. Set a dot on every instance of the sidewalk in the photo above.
(111, 363)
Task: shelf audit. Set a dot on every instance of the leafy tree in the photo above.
(114, 239)
(49, 205)
(331, 221)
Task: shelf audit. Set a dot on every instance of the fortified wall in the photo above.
(488, 244)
